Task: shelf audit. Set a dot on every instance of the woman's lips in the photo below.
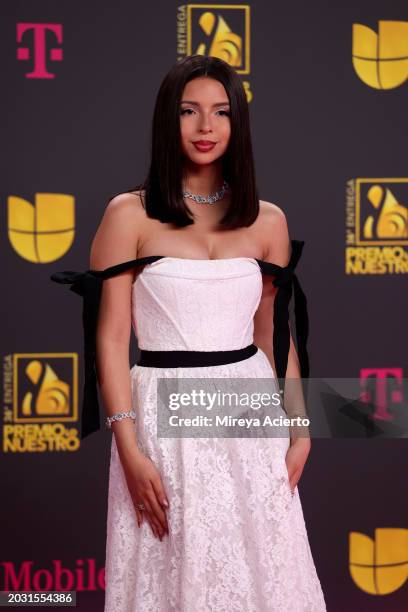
(200, 146)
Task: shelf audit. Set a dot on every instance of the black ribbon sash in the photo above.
(287, 281)
(88, 284)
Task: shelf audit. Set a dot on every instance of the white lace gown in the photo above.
(237, 538)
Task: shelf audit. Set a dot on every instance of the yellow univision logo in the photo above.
(381, 60)
(43, 231)
(379, 566)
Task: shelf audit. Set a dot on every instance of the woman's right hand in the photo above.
(146, 487)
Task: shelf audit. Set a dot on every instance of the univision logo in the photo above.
(381, 60)
(44, 231)
(379, 566)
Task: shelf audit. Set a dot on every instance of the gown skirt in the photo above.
(237, 538)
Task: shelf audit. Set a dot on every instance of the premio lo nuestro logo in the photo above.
(377, 226)
(217, 30)
(40, 402)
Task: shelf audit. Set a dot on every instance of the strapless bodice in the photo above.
(196, 304)
(193, 304)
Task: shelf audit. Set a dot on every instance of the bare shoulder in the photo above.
(116, 238)
(271, 213)
(126, 203)
(274, 233)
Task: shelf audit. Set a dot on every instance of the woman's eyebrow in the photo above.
(198, 104)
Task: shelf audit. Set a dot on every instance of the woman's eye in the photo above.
(190, 110)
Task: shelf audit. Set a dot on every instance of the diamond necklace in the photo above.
(218, 195)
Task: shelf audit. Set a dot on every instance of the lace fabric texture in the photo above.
(237, 537)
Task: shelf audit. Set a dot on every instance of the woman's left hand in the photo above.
(295, 459)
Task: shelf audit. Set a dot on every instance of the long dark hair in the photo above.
(163, 184)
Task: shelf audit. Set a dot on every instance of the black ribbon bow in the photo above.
(287, 281)
(89, 287)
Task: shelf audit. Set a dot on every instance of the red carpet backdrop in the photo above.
(327, 85)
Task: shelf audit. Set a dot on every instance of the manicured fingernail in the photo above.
(165, 503)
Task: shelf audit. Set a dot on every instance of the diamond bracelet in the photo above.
(119, 416)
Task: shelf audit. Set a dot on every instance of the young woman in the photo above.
(197, 524)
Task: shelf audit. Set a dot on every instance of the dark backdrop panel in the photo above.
(315, 126)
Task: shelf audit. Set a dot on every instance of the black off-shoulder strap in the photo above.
(88, 284)
(286, 280)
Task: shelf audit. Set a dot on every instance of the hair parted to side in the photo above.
(163, 184)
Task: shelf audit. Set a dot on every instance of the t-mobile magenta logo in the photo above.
(39, 48)
(383, 388)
